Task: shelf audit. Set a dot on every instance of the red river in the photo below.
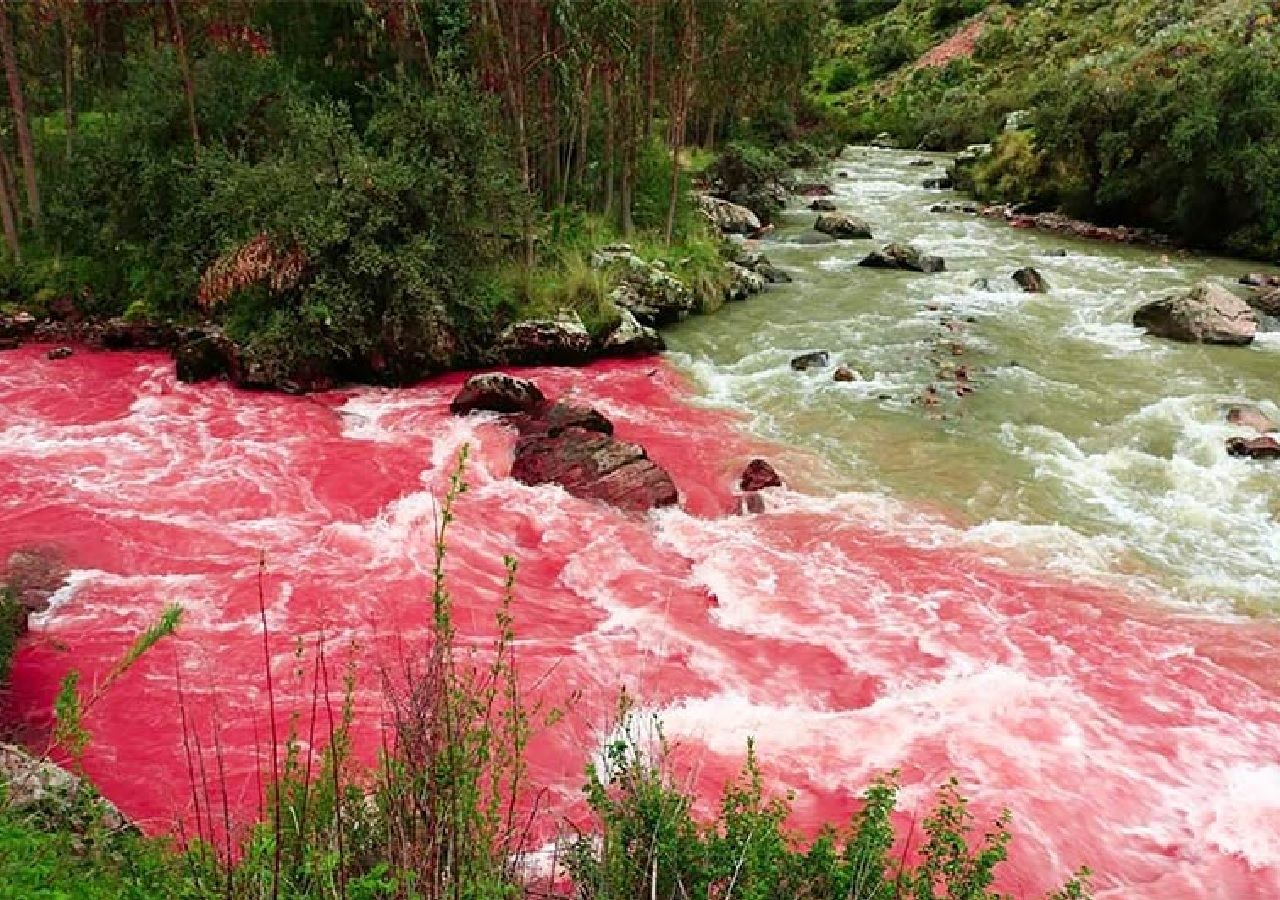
(846, 633)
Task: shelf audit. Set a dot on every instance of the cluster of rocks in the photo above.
(568, 444)
(574, 446)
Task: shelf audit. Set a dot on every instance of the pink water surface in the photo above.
(844, 632)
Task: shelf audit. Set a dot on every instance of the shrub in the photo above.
(844, 75)
(945, 13)
(12, 620)
(890, 46)
(1014, 171)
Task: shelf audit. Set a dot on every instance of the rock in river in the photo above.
(1248, 417)
(1031, 281)
(759, 475)
(905, 257)
(842, 225)
(1207, 314)
(497, 392)
(816, 359)
(1265, 447)
(570, 445)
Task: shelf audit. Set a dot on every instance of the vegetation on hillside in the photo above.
(440, 817)
(1143, 112)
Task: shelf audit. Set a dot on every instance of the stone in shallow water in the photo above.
(759, 475)
(1207, 314)
(816, 359)
(1031, 281)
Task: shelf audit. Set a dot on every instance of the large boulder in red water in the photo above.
(497, 392)
(569, 444)
(759, 475)
(559, 416)
(593, 466)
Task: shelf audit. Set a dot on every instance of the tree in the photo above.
(18, 106)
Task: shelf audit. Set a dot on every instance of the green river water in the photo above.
(1085, 446)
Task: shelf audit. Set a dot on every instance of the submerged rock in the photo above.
(905, 257)
(844, 373)
(59, 353)
(941, 183)
(813, 189)
(1207, 314)
(842, 225)
(816, 359)
(497, 392)
(1031, 281)
(805, 238)
(759, 475)
(823, 204)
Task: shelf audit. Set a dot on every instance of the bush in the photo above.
(855, 12)
(844, 75)
(646, 841)
(890, 47)
(12, 620)
(1014, 171)
(945, 13)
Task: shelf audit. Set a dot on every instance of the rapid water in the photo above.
(1085, 444)
(1040, 593)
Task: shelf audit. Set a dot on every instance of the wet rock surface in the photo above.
(570, 445)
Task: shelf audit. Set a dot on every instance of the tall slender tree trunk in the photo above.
(651, 66)
(9, 207)
(630, 100)
(26, 149)
(584, 129)
(184, 64)
(68, 77)
(515, 99)
(680, 111)
(610, 140)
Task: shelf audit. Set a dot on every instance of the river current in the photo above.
(1058, 588)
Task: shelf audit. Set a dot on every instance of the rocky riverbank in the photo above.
(643, 296)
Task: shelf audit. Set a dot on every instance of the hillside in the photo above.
(1144, 112)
